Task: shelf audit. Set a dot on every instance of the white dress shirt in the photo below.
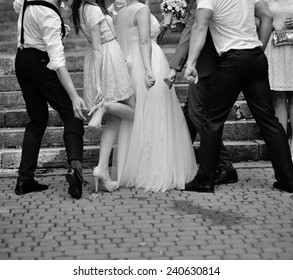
(42, 31)
(232, 25)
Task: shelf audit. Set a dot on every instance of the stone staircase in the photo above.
(241, 135)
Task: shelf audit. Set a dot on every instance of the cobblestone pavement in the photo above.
(245, 220)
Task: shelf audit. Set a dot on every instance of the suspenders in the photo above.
(39, 3)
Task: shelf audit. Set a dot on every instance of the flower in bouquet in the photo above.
(176, 7)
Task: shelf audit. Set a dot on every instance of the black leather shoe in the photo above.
(24, 187)
(284, 187)
(195, 186)
(75, 183)
(226, 177)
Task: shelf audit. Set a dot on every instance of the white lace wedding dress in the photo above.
(155, 153)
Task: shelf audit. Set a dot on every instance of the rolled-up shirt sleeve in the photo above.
(50, 26)
(17, 4)
(205, 4)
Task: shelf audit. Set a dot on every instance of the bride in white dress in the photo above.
(155, 152)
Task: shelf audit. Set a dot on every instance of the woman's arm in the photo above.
(142, 20)
(98, 55)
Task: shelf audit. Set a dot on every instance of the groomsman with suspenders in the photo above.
(43, 78)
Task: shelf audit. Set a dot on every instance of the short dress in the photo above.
(280, 58)
(116, 84)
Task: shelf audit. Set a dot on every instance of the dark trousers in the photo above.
(193, 113)
(40, 86)
(246, 71)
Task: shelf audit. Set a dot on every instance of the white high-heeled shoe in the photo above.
(103, 181)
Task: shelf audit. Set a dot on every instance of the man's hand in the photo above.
(78, 104)
(170, 79)
(191, 74)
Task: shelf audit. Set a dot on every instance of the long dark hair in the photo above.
(75, 13)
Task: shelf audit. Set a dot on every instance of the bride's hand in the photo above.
(167, 19)
(149, 80)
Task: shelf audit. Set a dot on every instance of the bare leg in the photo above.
(101, 172)
(116, 112)
(122, 110)
(108, 138)
(280, 104)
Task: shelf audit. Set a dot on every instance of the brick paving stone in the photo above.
(79, 252)
(92, 257)
(109, 245)
(73, 247)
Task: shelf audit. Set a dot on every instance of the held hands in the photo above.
(78, 105)
(191, 74)
(149, 80)
(170, 79)
(289, 23)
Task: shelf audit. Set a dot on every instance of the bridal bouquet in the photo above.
(176, 7)
(173, 11)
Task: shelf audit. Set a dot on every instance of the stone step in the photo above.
(56, 157)
(11, 25)
(6, 6)
(7, 27)
(9, 15)
(17, 117)
(7, 12)
(48, 157)
(9, 82)
(12, 137)
(76, 43)
(11, 37)
(13, 100)
(74, 60)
